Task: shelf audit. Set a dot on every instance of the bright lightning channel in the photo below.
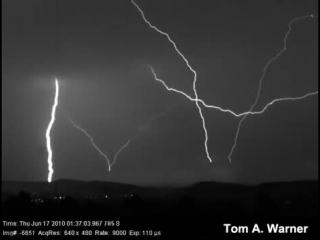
(191, 69)
(197, 100)
(244, 114)
(110, 164)
(50, 164)
(228, 110)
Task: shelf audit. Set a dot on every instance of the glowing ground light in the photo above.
(53, 113)
(197, 100)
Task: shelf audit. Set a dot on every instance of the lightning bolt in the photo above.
(53, 113)
(263, 76)
(92, 141)
(120, 150)
(228, 110)
(110, 164)
(197, 100)
(191, 69)
(148, 122)
(284, 99)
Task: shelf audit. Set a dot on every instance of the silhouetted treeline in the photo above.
(199, 201)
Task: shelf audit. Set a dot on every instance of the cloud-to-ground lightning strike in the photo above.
(144, 126)
(191, 69)
(110, 164)
(244, 114)
(141, 129)
(53, 112)
(92, 141)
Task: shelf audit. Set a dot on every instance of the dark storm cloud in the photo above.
(99, 51)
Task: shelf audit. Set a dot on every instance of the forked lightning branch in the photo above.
(198, 101)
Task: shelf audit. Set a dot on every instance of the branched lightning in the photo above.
(92, 141)
(228, 110)
(110, 164)
(120, 150)
(262, 77)
(197, 100)
(283, 99)
(148, 122)
(191, 69)
(141, 129)
(50, 164)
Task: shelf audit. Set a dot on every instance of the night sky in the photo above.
(99, 51)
